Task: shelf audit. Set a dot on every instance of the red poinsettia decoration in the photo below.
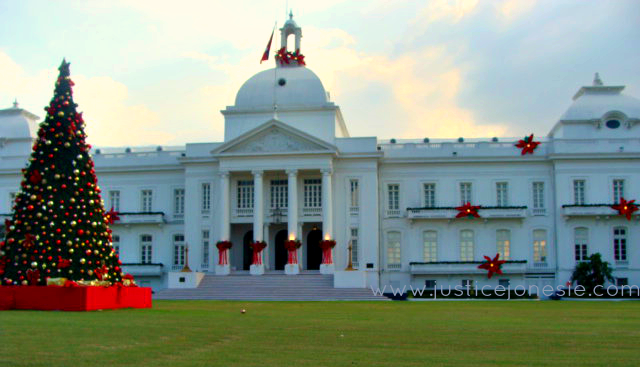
(63, 263)
(527, 145)
(625, 208)
(291, 246)
(35, 177)
(101, 272)
(283, 56)
(29, 240)
(468, 210)
(326, 246)
(492, 266)
(257, 248)
(223, 246)
(112, 216)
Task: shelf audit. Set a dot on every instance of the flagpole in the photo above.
(275, 77)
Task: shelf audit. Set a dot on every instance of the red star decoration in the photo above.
(492, 266)
(112, 216)
(527, 145)
(626, 208)
(29, 240)
(468, 210)
(35, 177)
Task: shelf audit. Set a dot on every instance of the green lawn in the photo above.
(215, 333)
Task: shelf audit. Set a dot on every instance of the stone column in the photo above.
(292, 218)
(225, 227)
(327, 215)
(258, 216)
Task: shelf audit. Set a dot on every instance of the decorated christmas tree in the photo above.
(59, 231)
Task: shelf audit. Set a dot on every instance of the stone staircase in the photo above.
(270, 287)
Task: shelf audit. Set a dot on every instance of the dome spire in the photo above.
(597, 81)
(15, 103)
(290, 55)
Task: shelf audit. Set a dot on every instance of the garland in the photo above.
(326, 246)
(292, 246)
(257, 248)
(223, 247)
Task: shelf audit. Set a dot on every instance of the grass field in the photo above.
(213, 333)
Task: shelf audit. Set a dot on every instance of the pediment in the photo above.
(274, 137)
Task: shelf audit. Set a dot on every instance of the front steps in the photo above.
(270, 287)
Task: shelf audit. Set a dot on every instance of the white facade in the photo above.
(287, 146)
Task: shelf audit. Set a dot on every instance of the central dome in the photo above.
(284, 86)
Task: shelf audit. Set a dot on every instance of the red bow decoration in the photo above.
(112, 216)
(326, 246)
(527, 145)
(257, 248)
(29, 240)
(291, 246)
(33, 276)
(63, 263)
(625, 208)
(101, 272)
(223, 246)
(493, 266)
(35, 177)
(468, 210)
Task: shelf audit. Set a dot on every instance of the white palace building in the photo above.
(296, 172)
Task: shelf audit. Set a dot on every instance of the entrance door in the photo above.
(281, 252)
(314, 253)
(247, 252)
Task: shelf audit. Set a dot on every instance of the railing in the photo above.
(540, 265)
(177, 267)
(493, 212)
(354, 210)
(464, 267)
(140, 218)
(311, 212)
(138, 269)
(538, 211)
(243, 212)
(394, 267)
(393, 213)
(588, 210)
(622, 263)
(204, 266)
(178, 216)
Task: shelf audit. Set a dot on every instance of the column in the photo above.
(292, 218)
(225, 228)
(327, 215)
(258, 217)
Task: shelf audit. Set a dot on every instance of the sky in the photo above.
(156, 72)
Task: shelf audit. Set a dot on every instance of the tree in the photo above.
(591, 273)
(59, 228)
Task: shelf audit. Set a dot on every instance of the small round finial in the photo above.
(290, 14)
(15, 103)
(596, 80)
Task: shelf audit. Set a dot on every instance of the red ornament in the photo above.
(625, 208)
(63, 263)
(3, 263)
(468, 210)
(527, 145)
(35, 177)
(492, 266)
(112, 216)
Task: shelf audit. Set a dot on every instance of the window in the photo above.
(393, 191)
(354, 190)
(245, 194)
(354, 247)
(279, 194)
(178, 202)
(581, 238)
(394, 254)
(620, 244)
(178, 251)
(115, 243)
(538, 195)
(540, 246)
(429, 190)
(146, 249)
(503, 243)
(502, 194)
(205, 249)
(578, 192)
(147, 200)
(430, 245)
(620, 282)
(114, 200)
(206, 197)
(466, 245)
(465, 193)
(504, 282)
(467, 283)
(618, 190)
(313, 193)
(430, 284)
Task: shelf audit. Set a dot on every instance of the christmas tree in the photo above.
(59, 229)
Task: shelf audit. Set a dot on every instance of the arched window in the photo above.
(503, 243)
(394, 250)
(430, 243)
(466, 245)
(581, 239)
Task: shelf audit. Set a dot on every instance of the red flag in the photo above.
(265, 55)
